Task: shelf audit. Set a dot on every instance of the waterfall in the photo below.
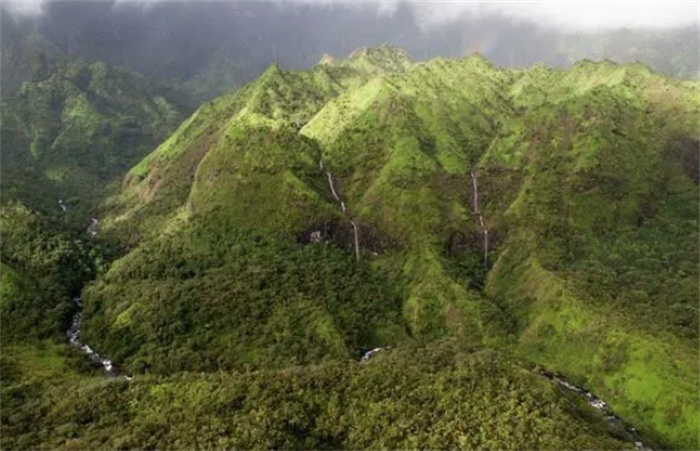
(343, 209)
(477, 211)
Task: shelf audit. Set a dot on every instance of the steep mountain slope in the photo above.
(550, 215)
(600, 261)
(68, 136)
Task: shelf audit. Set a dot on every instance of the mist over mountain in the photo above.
(217, 46)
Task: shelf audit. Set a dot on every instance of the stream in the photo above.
(629, 432)
(76, 323)
(74, 338)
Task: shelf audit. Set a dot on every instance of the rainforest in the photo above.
(372, 251)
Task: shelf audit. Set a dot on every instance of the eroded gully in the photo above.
(76, 322)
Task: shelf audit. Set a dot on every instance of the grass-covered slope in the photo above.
(74, 131)
(587, 183)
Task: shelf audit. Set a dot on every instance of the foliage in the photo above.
(587, 183)
(67, 136)
(206, 298)
(41, 268)
(414, 397)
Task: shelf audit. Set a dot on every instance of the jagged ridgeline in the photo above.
(74, 130)
(243, 252)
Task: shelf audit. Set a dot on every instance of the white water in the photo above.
(74, 338)
(63, 207)
(600, 406)
(343, 209)
(368, 355)
(92, 228)
(477, 210)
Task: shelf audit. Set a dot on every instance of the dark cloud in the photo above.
(183, 40)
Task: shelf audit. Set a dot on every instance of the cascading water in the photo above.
(343, 209)
(76, 323)
(477, 210)
(74, 338)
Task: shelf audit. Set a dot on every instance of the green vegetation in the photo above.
(71, 135)
(41, 269)
(405, 398)
(208, 298)
(587, 182)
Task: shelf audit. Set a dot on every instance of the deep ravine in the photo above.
(76, 323)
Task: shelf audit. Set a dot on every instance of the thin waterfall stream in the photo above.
(343, 209)
(477, 211)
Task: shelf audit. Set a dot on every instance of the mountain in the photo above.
(376, 200)
(75, 130)
(486, 232)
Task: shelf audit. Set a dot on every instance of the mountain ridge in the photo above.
(401, 142)
(523, 217)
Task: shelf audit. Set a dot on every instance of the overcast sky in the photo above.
(587, 15)
(568, 14)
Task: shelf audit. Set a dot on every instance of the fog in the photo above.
(219, 45)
